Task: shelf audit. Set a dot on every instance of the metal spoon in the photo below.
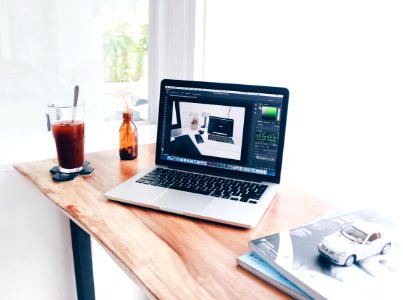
(76, 89)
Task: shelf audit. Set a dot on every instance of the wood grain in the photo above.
(170, 256)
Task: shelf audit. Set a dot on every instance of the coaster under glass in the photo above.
(61, 177)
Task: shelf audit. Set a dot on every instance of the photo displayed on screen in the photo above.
(222, 129)
(199, 130)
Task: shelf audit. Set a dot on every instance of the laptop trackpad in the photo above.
(182, 201)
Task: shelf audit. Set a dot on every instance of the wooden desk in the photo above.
(169, 256)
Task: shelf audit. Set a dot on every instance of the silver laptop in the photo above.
(233, 182)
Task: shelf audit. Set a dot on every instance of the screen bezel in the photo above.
(229, 87)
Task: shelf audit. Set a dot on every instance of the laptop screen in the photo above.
(223, 129)
(220, 126)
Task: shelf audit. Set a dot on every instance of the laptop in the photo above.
(221, 130)
(191, 178)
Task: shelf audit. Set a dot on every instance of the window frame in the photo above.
(171, 46)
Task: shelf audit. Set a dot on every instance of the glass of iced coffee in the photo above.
(67, 123)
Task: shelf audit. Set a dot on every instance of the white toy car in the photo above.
(354, 243)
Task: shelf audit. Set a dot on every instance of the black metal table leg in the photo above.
(81, 243)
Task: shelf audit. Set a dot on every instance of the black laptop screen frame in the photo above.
(229, 87)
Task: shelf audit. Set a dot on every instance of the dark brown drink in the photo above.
(69, 139)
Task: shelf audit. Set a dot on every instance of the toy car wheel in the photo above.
(349, 261)
(386, 248)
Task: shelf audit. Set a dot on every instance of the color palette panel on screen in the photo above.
(271, 113)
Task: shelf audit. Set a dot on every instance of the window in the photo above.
(125, 57)
(49, 47)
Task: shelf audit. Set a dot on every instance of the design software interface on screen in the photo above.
(231, 130)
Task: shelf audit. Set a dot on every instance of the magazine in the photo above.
(257, 266)
(361, 256)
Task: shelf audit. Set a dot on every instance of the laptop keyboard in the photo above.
(232, 189)
(219, 138)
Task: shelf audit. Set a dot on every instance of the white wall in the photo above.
(342, 62)
(35, 247)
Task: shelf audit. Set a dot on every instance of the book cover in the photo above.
(363, 235)
(257, 266)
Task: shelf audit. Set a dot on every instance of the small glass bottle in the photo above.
(128, 138)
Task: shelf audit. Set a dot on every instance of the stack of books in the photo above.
(356, 255)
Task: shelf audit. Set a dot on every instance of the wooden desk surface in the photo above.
(169, 256)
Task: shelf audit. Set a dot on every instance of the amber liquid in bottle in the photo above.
(128, 138)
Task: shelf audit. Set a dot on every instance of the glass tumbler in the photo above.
(67, 124)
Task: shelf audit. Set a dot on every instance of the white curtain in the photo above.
(47, 47)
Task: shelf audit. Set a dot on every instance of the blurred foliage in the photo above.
(125, 50)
